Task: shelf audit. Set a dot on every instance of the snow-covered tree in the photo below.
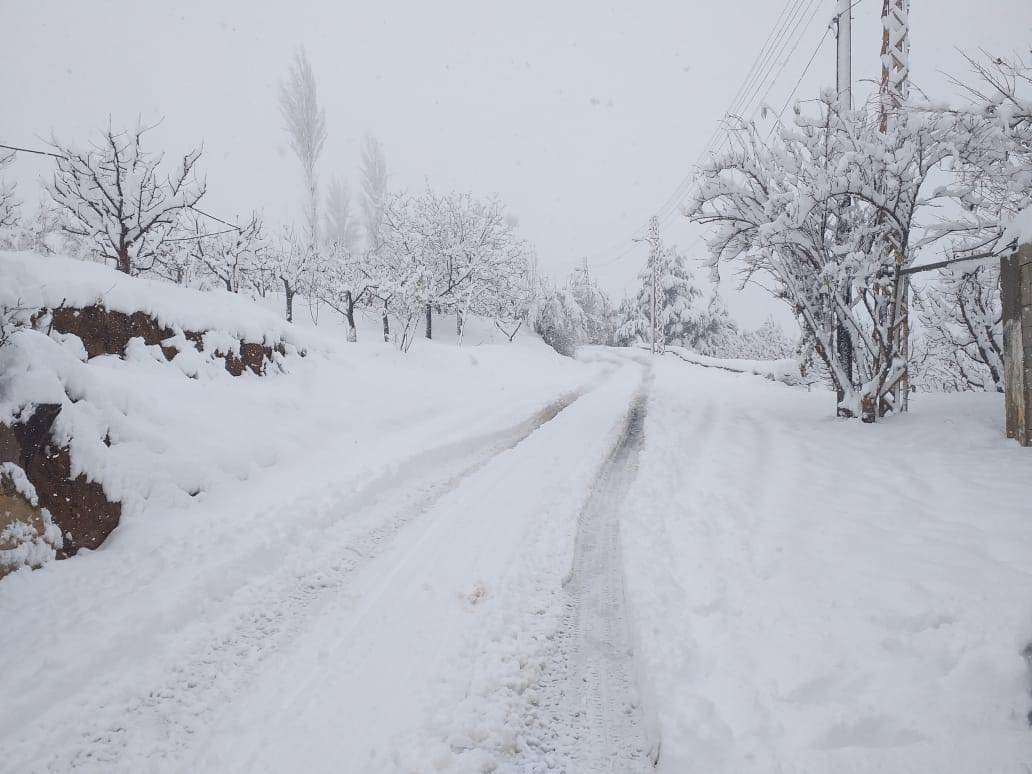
(558, 319)
(373, 171)
(448, 252)
(113, 194)
(306, 127)
(8, 202)
(599, 313)
(228, 255)
(963, 321)
(830, 210)
(343, 282)
(676, 319)
(289, 262)
(992, 181)
(340, 226)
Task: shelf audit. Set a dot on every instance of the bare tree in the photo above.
(112, 194)
(306, 126)
(8, 204)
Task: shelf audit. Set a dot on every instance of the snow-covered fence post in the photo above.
(1016, 295)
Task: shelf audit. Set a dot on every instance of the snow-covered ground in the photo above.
(813, 595)
(490, 558)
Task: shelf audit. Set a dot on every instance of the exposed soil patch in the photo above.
(77, 505)
(106, 332)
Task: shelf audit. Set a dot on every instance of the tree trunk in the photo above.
(349, 305)
(289, 292)
(124, 263)
(429, 322)
(386, 323)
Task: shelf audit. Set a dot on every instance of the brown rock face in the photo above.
(15, 509)
(78, 506)
(104, 332)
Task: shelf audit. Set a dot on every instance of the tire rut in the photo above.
(163, 719)
(590, 719)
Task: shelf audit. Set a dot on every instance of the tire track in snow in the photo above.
(591, 719)
(151, 727)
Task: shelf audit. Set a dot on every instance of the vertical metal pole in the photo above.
(844, 59)
(653, 259)
(895, 85)
(844, 89)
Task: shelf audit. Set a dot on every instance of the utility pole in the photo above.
(844, 88)
(895, 86)
(844, 50)
(895, 57)
(653, 240)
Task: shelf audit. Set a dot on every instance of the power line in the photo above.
(759, 68)
(786, 35)
(198, 210)
(30, 150)
(799, 82)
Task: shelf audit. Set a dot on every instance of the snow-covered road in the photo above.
(412, 635)
(665, 562)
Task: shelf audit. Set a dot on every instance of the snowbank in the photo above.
(812, 595)
(34, 281)
(786, 371)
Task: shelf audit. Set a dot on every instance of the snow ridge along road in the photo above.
(592, 686)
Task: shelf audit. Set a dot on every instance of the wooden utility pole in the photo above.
(895, 86)
(1016, 295)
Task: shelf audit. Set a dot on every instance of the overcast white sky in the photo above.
(583, 116)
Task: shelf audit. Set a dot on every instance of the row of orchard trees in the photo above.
(841, 206)
(405, 255)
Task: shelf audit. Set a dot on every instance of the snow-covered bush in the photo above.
(558, 319)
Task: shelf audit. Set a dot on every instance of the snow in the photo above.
(35, 281)
(813, 595)
(231, 487)
(26, 545)
(368, 561)
(785, 370)
(1019, 230)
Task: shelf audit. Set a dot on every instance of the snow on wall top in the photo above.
(30, 280)
(1020, 228)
